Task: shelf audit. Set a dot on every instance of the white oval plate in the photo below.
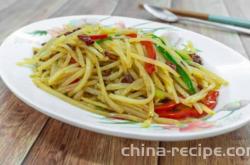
(232, 109)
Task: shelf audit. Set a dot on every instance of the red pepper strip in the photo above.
(149, 68)
(211, 99)
(98, 36)
(76, 80)
(132, 35)
(181, 114)
(165, 107)
(151, 54)
(89, 40)
(177, 111)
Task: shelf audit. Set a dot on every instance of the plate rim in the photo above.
(103, 129)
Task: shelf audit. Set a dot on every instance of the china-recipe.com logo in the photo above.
(199, 150)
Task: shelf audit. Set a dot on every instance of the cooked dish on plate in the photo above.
(126, 73)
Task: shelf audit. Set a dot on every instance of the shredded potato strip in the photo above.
(149, 85)
(115, 106)
(83, 81)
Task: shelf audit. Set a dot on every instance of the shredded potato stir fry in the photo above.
(126, 74)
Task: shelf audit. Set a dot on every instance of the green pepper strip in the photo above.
(102, 40)
(182, 73)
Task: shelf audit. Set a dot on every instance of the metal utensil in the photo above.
(168, 16)
(235, 21)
